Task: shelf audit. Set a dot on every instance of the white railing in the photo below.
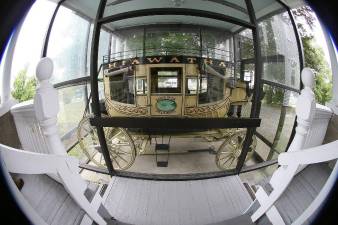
(36, 125)
(312, 122)
(28, 128)
(318, 126)
(63, 166)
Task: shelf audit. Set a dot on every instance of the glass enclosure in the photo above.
(177, 59)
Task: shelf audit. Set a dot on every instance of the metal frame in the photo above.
(99, 23)
(230, 5)
(257, 88)
(155, 124)
(94, 84)
(46, 41)
(174, 11)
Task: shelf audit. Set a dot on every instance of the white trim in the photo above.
(272, 213)
(322, 153)
(6, 106)
(7, 66)
(26, 208)
(65, 167)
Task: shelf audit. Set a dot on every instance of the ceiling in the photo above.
(233, 8)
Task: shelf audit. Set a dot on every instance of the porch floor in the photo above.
(149, 202)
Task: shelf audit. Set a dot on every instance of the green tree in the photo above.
(314, 58)
(24, 87)
(313, 55)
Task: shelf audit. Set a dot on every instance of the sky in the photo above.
(29, 45)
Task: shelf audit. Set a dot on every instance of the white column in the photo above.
(46, 106)
(6, 101)
(305, 110)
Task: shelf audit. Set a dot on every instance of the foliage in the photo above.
(314, 58)
(24, 87)
(305, 13)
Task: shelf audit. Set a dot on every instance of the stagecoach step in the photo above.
(162, 155)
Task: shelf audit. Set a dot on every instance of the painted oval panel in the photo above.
(166, 105)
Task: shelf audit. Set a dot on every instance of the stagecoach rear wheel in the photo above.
(230, 150)
(120, 145)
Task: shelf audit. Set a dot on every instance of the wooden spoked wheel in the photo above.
(120, 145)
(121, 148)
(230, 150)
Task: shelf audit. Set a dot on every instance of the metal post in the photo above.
(256, 103)
(46, 41)
(299, 43)
(94, 84)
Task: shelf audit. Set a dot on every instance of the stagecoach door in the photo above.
(166, 91)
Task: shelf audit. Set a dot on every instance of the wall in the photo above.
(8, 133)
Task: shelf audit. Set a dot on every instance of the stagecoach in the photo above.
(168, 83)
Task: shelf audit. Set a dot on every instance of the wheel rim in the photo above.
(230, 150)
(120, 145)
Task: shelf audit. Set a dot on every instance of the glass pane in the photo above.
(217, 44)
(121, 87)
(72, 105)
(191, 87)
(279, 48)
(104, 43)
(172, 41)
(127, 43)
(234, 8)
(166, 80)
(256, 177)
(211, 89)
(270, 111)
(141, 86)
(289, 116)
(68, 45)
(278, 116)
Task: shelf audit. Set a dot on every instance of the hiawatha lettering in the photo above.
(118, 64)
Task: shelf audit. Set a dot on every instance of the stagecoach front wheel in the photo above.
(121, 148)
(230, 150)
(120, 145)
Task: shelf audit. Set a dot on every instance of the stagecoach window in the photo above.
(211, 89)
(191, 87)
(203, 85)
(141, 86)
(166, 80)
(122, 88)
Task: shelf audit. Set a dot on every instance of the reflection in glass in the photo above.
(191, 87)
(278, 117)
(279, 51)
(72, 104)
(141, 86)
(68, 45)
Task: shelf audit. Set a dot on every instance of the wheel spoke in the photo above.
(226, 161)
(124, 152)
(121, 158)
(118, 164)
(232, 161)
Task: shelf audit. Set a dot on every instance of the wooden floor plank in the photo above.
(177, 202)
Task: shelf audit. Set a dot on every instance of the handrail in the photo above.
(317, 154)
(166, 51)
(64, 166)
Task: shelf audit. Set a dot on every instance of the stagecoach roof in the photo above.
(233, 8)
